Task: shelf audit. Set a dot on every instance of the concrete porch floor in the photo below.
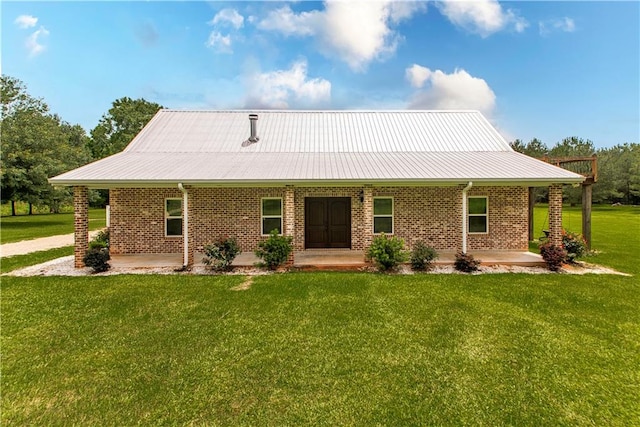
(327, 259)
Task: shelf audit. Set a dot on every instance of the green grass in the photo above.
(19, 261)
(615, 234)
(27, 227)
(22, 208)
(329, 348)
(321, 349)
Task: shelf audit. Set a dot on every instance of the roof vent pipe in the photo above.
(253, 119)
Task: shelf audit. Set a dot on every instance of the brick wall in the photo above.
(508, 219)
(431, 214)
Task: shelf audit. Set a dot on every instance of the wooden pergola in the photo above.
(585, 166)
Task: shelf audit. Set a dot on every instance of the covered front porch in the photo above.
(329, 258)
(326, 259)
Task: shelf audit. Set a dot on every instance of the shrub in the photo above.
(466, 263)
(554, 256)
(275, 250)
(100, 241)
(387, 252)
(422, 256)
(97, 258)
(220, 254)
(574, 244)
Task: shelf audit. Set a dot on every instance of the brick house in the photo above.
(330, 179)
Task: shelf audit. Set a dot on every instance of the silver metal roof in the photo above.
(172, 131)
(206, 147)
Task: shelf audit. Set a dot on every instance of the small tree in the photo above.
(466, 263)
(387, 252)
(554, 256)
(422, 256)
(275, 250)
(221, 253)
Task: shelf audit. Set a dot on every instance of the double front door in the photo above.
(327, 222)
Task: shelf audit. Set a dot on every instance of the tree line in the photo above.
(618, 168)
(37, 144)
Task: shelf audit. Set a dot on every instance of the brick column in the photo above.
(289, 217)
(367, 211)
(81, 224)
(555, 214)
(190, 212)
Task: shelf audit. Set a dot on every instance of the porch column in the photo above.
(555, 214)
(367, 211)
(80, 224)
(289, 216)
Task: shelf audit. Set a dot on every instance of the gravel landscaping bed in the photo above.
(64, 267)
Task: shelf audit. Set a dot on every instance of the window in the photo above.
(478, 222)
(173, 217)
(271, 215)
(383, 215)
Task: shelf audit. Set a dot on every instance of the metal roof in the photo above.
(206, 147)
(172, 131)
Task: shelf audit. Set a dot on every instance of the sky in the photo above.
(544, 69)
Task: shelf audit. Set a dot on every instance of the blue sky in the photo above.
(536, 69)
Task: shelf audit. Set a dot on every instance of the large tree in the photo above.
(35, 146)
(534, 148)
(124, 120)
(618, 174)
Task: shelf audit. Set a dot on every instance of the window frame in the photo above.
(392, 215)
(168, 217)
(263, 216)
(485, 215)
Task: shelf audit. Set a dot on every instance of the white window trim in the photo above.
(486, 214)
(167, 216)
(262, 216)
(393, 215)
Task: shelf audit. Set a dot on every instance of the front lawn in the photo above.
(329, 348)
(321, 348)
(27, 227)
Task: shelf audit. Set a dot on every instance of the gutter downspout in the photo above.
(464, 216)
(185, 224)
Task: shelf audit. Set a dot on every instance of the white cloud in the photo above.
(219, 43)
(356, 32)
(483, 17)
(417, 75)
(565, 24)
(230, 16)
(26, 21)
(33, 42)
(285, 21)
(456, 91)
(286, 88)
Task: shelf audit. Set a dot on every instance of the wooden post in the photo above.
(586, 212)
(532, 202)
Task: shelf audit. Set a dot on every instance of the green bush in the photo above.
(275, 250)
(574, 244)
(466, 263)
(387, 252)
(422, 256)
(100, 241)
(554, 256)
(97, 258)
(220, 254)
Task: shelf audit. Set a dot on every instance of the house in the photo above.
(330, 179)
